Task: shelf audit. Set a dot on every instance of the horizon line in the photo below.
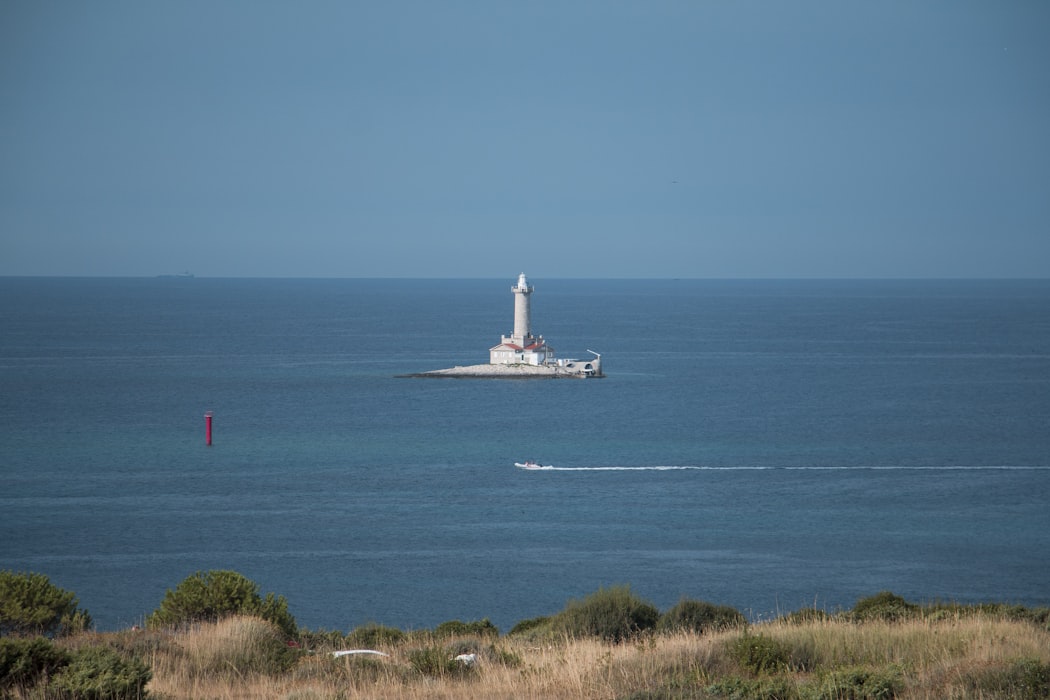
(190, 276)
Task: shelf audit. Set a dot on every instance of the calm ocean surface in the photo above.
(830, 439)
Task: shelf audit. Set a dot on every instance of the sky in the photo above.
(566, 139)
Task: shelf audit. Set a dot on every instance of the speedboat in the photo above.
(527, 464)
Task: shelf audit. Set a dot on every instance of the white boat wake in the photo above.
(862, 467)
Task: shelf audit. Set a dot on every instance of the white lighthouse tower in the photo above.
(522, 315)
(521, 347)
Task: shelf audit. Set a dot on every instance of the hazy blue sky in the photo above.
(564, 138)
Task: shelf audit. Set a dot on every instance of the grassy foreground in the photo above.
(960, 653)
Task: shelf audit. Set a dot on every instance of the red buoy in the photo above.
(207, 428)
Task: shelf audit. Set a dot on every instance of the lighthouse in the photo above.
(521, 347)
(522, 320)
(522, 354)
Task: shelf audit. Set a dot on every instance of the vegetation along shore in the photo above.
(216, 636)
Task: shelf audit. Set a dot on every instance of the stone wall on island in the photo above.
(502, 372)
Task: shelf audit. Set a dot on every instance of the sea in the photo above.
(764, 444)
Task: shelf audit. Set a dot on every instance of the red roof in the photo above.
(512, 346)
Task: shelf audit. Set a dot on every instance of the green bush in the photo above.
(31, 604)
(611, 614)
(372, 636)
(531, 625)
(767, 688)
(213, 595)
(503, 657)
(699, 617)
(859, 684)
(100, 673)
(321, 639)
(24, 662)
(1038, 616)
(758, 653)
(1031, 678)
(884, 606)
(1022, 678)
(437, 662)
(457, 628)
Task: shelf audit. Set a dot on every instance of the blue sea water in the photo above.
(762, 444)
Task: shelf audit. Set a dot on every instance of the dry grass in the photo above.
(961, 657)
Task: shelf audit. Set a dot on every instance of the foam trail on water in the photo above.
(621, 469)
(871, 467)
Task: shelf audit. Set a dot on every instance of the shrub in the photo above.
(1032, 677)
(758, 653)
(437, 661)
(1022, 678)
(31, 604)
(321, 639)
(503, 657)
(484, 650)
(699, 616)
(211, 596)
(768, 688)
(859, 684)
(24, 662)
(100, 673)
(533, 624)
(372, 636)
(611, 614)
(883, 606)
(457, 628)
(1038, 616)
